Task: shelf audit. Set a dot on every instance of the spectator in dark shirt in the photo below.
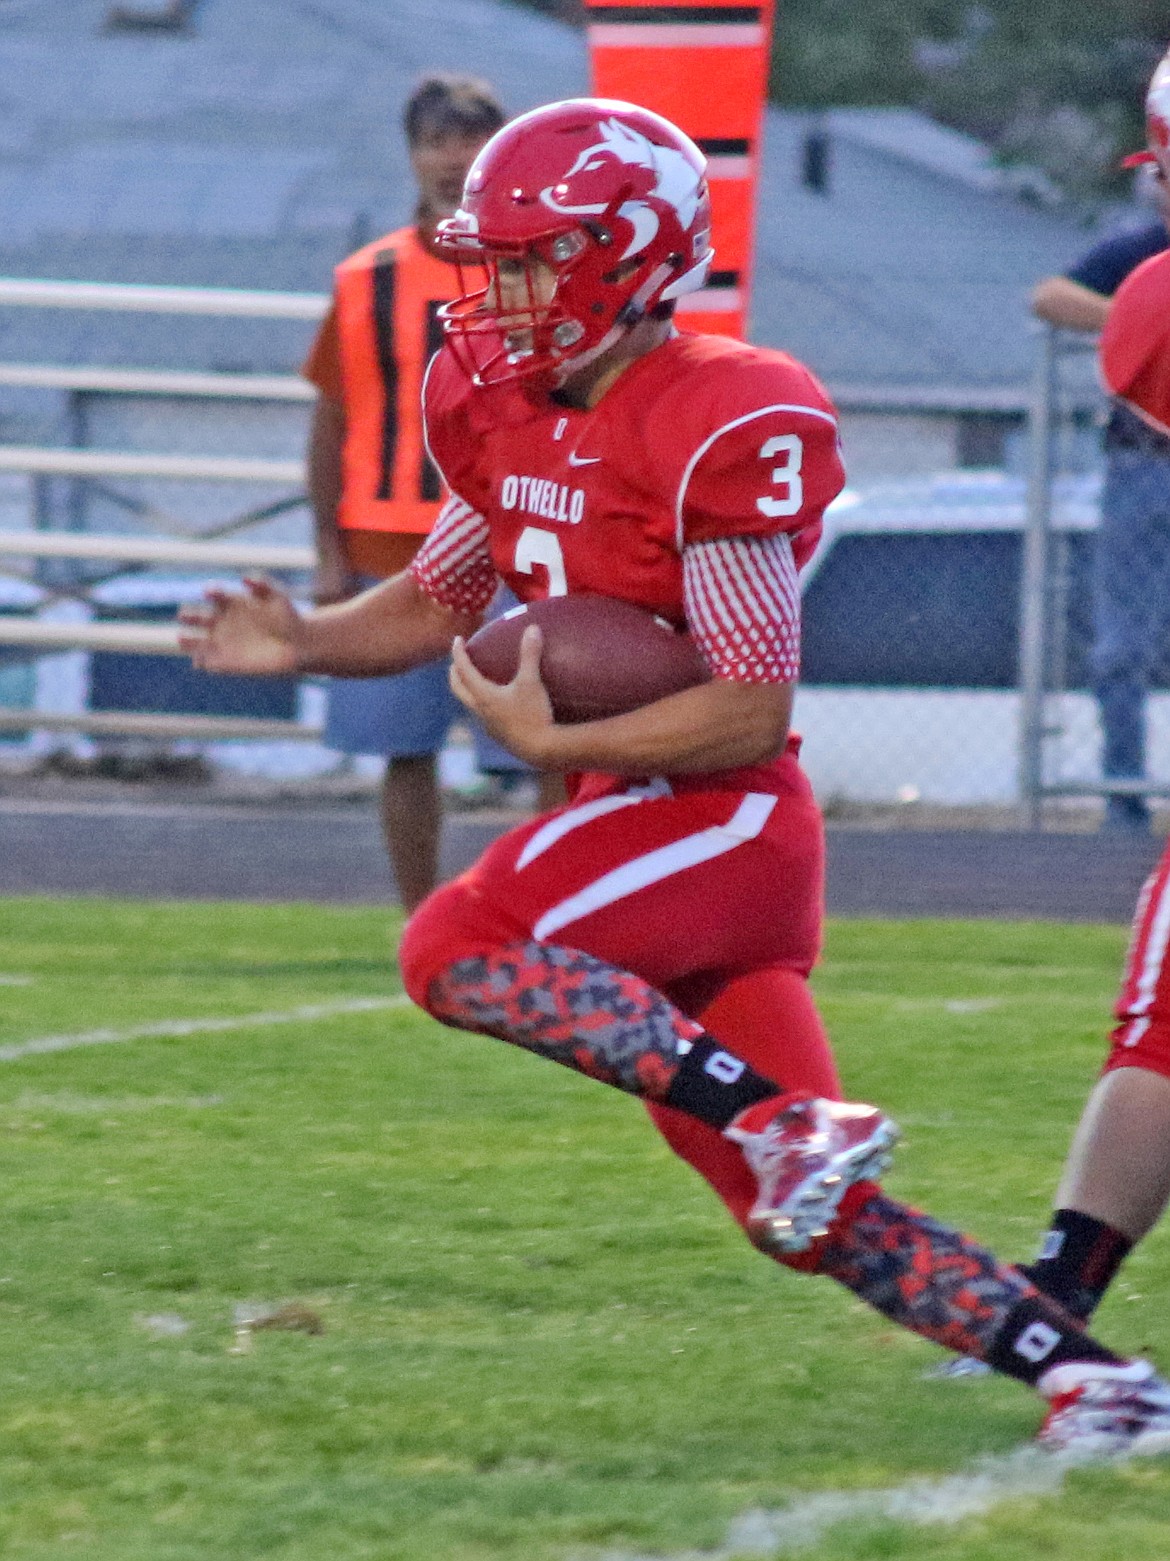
(1131, 571)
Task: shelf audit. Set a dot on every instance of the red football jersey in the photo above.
(1135, 344)
(704, 438)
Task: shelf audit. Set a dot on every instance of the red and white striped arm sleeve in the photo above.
(454, 565)
(742, 601)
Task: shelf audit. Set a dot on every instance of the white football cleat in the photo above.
(961, 1368)
(805, 1155)
(1103, 1411)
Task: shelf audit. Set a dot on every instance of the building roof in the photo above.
(909, 270)
(262, 144)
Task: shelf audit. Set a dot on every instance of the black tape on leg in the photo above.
(1038, 1334)
(714, 1085)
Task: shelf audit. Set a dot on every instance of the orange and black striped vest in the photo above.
(387, 297)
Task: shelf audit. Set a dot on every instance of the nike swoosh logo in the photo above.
(583, 460)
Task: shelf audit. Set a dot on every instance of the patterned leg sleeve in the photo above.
(946, 1287)
(929, 1278)
(572, 1008)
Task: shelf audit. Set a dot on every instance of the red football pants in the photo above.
(713, 897)
(1142, 1036)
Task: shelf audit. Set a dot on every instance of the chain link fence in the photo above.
(949, 662)
(949, 632)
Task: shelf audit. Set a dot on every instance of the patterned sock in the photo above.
(1078, 1260)
(946, 1287)
(579, 1011)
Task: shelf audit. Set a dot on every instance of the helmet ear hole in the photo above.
(623, 270)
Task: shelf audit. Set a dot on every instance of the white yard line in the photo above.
(166, 1028)
(1027, 1472)
(1053, 972)
(961, 1005)
(15, 980)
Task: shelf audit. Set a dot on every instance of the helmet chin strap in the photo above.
(582, 360)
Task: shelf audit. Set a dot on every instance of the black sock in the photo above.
(1038, 1334)
(1077, 1262)
(715, 1086)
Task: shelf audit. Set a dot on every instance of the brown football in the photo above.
(600, 657)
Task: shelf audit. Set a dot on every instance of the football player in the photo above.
(1116, 1183)
(1116, 1180)
(657, 933)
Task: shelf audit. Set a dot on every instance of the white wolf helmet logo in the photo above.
(667, 176)
(1158, 108)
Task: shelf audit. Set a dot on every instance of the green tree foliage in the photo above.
(1048, 83)
(1044, 81)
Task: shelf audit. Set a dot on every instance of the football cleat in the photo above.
(805, 1155)
(962, 1367)
(1106, 1411)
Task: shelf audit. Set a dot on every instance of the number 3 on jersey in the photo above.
(786, 477)
(536, 546)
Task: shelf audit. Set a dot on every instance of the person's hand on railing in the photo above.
(257, 632)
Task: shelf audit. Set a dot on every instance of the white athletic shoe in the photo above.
(961, 1368)
(1106, 1411)
(805, 1155)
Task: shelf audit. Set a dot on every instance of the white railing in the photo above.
(157, 550)
(132, 298)
(152, 639)
(41, 636)
(156, 382)
(37, 460)
(172, 728)
(144, 639)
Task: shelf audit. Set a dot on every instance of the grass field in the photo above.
(541, 1337)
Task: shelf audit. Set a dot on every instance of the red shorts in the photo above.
(672, 884)
(1142, 1036)
(712, 896)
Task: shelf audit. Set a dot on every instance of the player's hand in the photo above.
(517, 714)
(257, 632)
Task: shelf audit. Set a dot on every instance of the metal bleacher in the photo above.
(164, 542)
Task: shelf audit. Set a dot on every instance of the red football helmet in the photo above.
(1157, 123)
(612, 198)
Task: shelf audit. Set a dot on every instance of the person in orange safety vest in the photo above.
(374, 491)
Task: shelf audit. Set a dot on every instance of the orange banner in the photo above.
(705, 67)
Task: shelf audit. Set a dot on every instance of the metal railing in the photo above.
(139, 299)
(155, 382)
(47, 462)
(205, 554)
(153, 550)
